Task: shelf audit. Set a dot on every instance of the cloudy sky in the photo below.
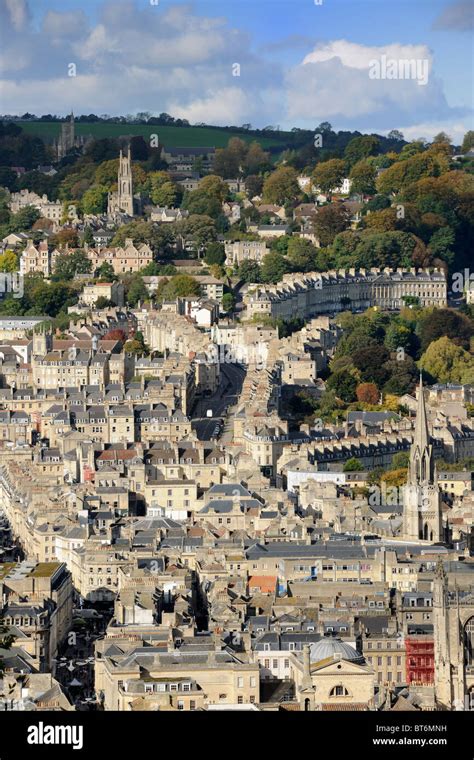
(301, 61)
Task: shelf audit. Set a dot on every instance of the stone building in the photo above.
(237, 251)
(422, 517)
(454, 644)
(307, 295)
(121, 201)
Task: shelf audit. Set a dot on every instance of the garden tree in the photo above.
(384, 220)
(229, 161)
(367, 393)
(363, 175)
(447, 362)
(359, 330)
(8, 179)
(198, 229)
(9, 261)
(394, 478)
(102, 150)
(442, 137)
(343, 384)
(442, 244)
(153, 268)
(105, 272)
(430, 163)
(40, 183)
(160, 238)
(136, 345)
(24, 219)
(361, 147)
(69, 265)
(281, 185)
(436, 323)
(274, 266)
(74, 183)
(400, 336)
(301, 254)
(253, 185)
(395, 134)
(226, 163)
(214, 187)
(139, 148)
(353, 465)
(215, 253)
(228, 301)
(103, 303)
(468, 142)
(402, 376)
(249, 271)
(94, 200)
(256, 159)
(47, 298)
(106, 173)
(180, 286)
(66, 236)
(370, 361)
(400, 460)
(329, 221)
(354, 248)
(280, 244)
(328, 175)
(135, 290)
(88, 236)
(200, 203)
(162, 190)
(218, 271)
(377, 203)
(412, 149)
(115, 335)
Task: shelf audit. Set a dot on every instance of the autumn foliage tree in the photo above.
(115, 335)
(367, 393)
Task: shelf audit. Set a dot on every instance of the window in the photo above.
(240, 682)
(240, 700)
(339, 691)
(180, 704)
(192, 704)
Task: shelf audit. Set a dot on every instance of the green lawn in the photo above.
(189, 137)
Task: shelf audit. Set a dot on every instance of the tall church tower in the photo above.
(442, 653)
(67, 139)
(422, 499)
(125, 187)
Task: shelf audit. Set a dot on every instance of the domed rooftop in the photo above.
(335, 648)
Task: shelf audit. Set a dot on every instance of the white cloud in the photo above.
(139, 57)
(18, 12)
(357, 56)
(333, 83)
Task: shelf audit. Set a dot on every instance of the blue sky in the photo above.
(300, 62)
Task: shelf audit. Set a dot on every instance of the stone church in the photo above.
(453, 620)
(68, 139)
(122, 200)
(422, 516)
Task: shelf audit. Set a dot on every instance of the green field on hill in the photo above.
(189, 137)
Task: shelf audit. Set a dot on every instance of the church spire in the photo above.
(422, 436)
